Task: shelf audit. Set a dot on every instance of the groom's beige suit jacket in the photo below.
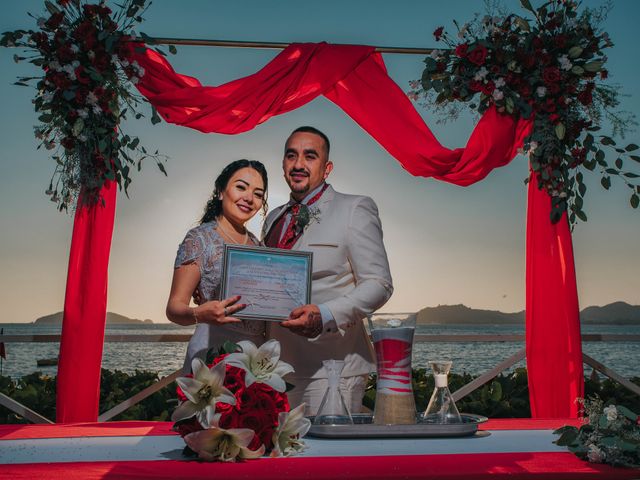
(350, 276)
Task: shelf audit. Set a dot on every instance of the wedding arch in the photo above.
(353, 77)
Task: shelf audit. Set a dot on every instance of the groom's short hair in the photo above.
(315, 131)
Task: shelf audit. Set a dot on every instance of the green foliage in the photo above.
(38, 392)
(506, 396)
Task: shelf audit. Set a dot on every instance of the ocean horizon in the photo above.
(166, 357)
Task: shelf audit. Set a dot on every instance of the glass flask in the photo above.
(392, 335)
(333, 409)
(441, 408)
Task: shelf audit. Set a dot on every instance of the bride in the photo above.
(240, 191)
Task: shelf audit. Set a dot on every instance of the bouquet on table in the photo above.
(609, 435)
(237, 408)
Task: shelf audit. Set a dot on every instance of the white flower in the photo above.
(435, 53)
(55, 66)
(216, 443)
(292, 426)
(497, 94)
(82, 113)
(611, 412)
(541, 91)
(500, 82)
(262, 365)
(92, 99)
(565, 63)
(97, 110)
(74, 48)
(202, 392)
(532, 146)
(481, 74)
(595, 455)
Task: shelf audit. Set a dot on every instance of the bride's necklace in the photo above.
(224, 233)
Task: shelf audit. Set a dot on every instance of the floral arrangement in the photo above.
(609, 435)
(86, 54)
(237, 408)
(306, 215)
(550, 68)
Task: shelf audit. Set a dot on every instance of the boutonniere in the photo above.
(306, 216)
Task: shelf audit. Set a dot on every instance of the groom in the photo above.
(351, 275)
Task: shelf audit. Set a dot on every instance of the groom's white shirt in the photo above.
(350, 277)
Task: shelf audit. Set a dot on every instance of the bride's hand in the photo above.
(219, 312)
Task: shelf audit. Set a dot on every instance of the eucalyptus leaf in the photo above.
(594, 66)
(560, 130)
(575, 52)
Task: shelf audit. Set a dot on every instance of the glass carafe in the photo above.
(441, 408)
(333, 409)
(392, 335)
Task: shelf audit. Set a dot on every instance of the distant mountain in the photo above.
(112, 319)
(618, 313)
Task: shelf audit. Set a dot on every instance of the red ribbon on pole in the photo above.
(85, 309)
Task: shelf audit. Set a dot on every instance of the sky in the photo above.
(446, 244)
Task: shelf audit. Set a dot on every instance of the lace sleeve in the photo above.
(191, 249)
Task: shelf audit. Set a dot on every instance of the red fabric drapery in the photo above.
(85, 309)
(355, 79)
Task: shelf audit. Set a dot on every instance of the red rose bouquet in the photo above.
(237, 407)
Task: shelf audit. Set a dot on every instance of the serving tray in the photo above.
(364, 427)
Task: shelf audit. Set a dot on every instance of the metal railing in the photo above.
(34, 417)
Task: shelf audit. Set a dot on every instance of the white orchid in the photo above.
(218, 444)
(292, 426)
(202, 392)
(262, 365)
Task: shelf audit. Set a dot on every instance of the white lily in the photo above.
(218, 444)
(202, 392)
(262, 365)
(292, 426)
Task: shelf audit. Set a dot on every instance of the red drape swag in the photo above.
(85, 308)
(355, 79)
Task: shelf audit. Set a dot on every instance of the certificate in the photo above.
(271, 281)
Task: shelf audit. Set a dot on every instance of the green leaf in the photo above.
(527, 5)
(607, 140)
(631, 175)
(581, 215)
(78, 126)
(162, 169)
(600, 156)
(594, 66)
(635, 158)
(172, 49)
(577, 70)
(631, 147)
(618, 163)
(605, 182)
(560, 130)
(621, 408)
(496, 391)
(582, 189)
(575, 52)
(230, 347)
(523, 24)
(155, 118)
(567, 437)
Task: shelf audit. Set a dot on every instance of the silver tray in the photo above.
(364, 427)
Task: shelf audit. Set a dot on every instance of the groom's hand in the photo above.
(305, 321)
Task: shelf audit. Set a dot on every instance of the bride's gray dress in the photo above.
(205, 247)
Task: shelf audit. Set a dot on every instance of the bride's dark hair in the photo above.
(213, 209)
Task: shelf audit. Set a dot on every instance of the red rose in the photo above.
(478, 55)
(438, 33)
(560, 41)
(488, 88)
(65, 54)
(68, 143)
(585, 97)
(461, 50)
(475, 85)
(553, 88)
(549, 105)
(441, 67)
(554, 118)
(551, 75)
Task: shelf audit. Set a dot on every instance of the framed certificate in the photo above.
(271, 281)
